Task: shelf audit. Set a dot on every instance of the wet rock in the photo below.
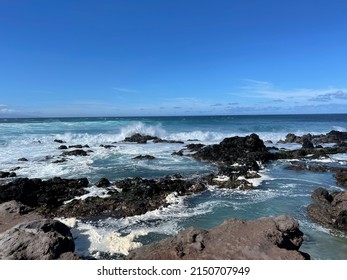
(15, 168)
(329, 209)
(23, 159)
(108, 146)
(314, 153)
(77, 152)
(230, 150)
(62, 147)
(195, 147)
(137, 196)
(43, 195)
(36, 240)
(79, 146)
(178, 153)
(333, 136)
(103, 183)
(60, 160)
(276, 238)
(140, 139)
(59, 141)
(307, 143)
(4, 174)
(141, 157)
(158, 140)
(235, 157)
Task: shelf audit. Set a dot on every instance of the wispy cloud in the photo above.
(269, 92)
(126, 90)
(4, 109)
(330, 96)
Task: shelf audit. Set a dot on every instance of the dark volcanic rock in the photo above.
(103, 183)
(314, 153)
(140, 139)
(79, 146)
(62, 147)
(59, 141)
(195, 147)
(276, 238)
(77, 152)
(137, 197)
(336, 136)
(36, 240)
(236, 157)
(108, 146)
(329, 209)
(144, 157)
(23, 159)
(333, 136)
(47, 194)
(60, 160)
(230, 150)
(307, 143)
(4, 174)
(158, 140)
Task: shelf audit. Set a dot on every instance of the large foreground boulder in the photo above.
(37, 240)
(13, 213)
(276, 238)
(329, 209)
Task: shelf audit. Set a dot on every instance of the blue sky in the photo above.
(182, 57)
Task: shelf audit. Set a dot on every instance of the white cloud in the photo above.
(125, 90)
(266, 90)
(5, 110)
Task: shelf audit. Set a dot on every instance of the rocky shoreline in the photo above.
(30, 205)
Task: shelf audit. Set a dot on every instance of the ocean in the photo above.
(279, 190)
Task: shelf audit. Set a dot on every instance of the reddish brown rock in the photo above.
(276, 238)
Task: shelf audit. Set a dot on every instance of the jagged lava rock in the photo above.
(38, 193)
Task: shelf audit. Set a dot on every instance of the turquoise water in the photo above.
(281, 191)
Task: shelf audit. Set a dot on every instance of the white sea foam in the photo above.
(339, 157)
(339, 128)
(93, 191)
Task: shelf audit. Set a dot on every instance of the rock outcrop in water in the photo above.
(333, 136)
(133, 196)
(329, 209)
(237, 158)
(142, 139)
(276, 238)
